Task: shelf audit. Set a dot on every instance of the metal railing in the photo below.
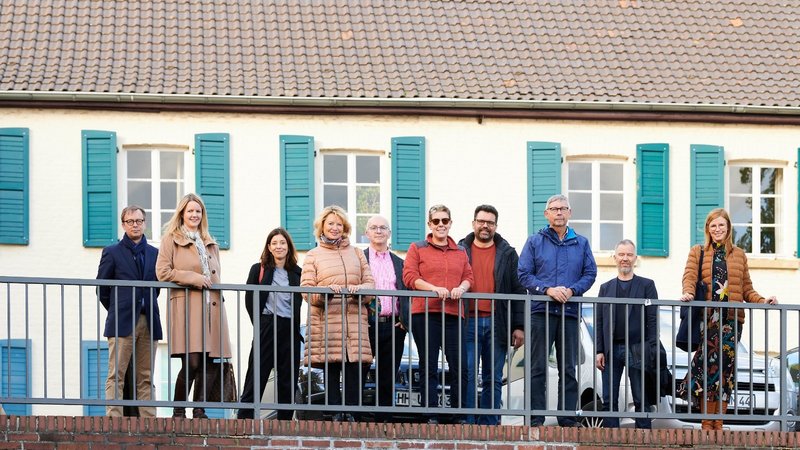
(59, 322)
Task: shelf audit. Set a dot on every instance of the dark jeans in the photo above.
(480, 345)
(277, 350)
(547, 329)
(615, 363)
(442, 331)
(355, 374)
(388, 351)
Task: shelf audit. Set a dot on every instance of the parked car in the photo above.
(589, 382)
(758, 387)
(793, 366)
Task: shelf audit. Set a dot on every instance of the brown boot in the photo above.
(709, 408)
(723, 407)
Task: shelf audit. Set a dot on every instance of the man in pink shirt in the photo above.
(388, 315)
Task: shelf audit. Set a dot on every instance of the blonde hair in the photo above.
(714, 214)
(336, 210)
(438, 208)
(175, 224)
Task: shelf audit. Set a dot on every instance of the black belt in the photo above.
(382, 319)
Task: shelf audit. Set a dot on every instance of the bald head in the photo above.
(378, 232)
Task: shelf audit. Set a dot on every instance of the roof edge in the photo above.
(411, 103)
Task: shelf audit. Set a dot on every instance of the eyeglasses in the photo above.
(558, 210)
(130, 222)
(383, 228)
(444, 221)
(488, 223)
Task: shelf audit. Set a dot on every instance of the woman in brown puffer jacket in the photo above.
(338, 339)
(726, 274)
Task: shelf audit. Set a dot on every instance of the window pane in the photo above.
(148, 220)
(610, 206)
(584, 229)
(139, 194)
(335, 195)
(770, 179)
(335, 169)
(165, 216)
(743, 238)
(368, 199)
(139, 165)
(768, 211)
(172, 165)
(361, 228)
(741, 180)
(368, 169)
(610, 234)
(580, 176)
(768, 240)
(741, 209)
(581, 205)
(610, 177)
(170, 194)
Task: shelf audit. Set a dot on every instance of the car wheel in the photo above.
(589, 421)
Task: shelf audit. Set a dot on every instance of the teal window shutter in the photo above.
(15, 374)
(94, 372)
(652, 199)
(707, 186)
(408, 191)
(99, 160)
(212, 182)
(544, 180)
(297, 189)
(14, 194)
(797, 165)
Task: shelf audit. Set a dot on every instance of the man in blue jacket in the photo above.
(558, 263)
(133, 322)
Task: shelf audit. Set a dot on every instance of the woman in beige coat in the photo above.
(189, 256)
(339, 333)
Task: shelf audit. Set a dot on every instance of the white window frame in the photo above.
(594, 220)
(122, 181)
(384, 184)
(780, 205)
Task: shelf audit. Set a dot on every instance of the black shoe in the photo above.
(343, 417)
(433, 421)
(179, 413)
(536, 423)
(571, 425)
(199, 413)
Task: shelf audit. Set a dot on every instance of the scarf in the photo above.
(138, 252)
(332, 242)
(195, 237)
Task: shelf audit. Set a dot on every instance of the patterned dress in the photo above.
(712, 369)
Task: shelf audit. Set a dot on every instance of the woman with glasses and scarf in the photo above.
(338, 340)
(438, 264)
(189, 256)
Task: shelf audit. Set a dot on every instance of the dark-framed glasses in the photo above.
(488, 223)
(131, 222)
(554, 209)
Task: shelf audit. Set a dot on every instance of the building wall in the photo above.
(468, 163)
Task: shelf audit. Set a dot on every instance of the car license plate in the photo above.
(742, 400)
(405, 398)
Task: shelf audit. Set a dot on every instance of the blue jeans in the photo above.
(612, 375)
(443, 333)
(547, 329)
(479, 343)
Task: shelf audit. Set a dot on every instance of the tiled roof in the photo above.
(730, 52)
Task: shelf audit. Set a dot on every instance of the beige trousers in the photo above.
(119, 351)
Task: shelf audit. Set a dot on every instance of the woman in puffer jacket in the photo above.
(338, 338)
(727, 276)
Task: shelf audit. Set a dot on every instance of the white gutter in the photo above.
(392, 102)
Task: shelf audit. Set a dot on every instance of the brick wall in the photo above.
(103, 433)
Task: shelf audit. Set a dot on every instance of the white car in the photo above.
(589, 382)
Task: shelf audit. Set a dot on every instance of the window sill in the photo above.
(773, 263)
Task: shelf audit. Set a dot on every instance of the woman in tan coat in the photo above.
(189, 256)
(727, 276)
(339, 333)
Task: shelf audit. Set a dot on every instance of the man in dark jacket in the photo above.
(558, 263)
(388, 316)
(621, 340)
(491, 326)
(133, 322)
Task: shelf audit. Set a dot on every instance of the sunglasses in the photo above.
(444, 221)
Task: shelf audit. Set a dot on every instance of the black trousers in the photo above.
(387, 347)
(279, 350)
